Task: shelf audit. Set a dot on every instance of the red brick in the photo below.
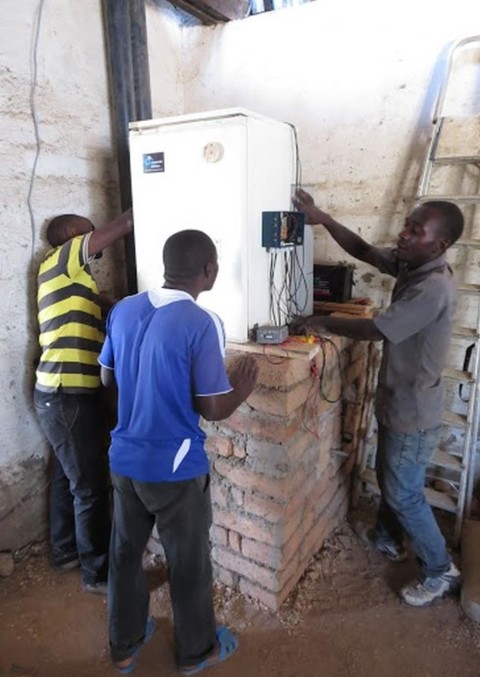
(234, 540)
(239, 451)
(284, 373)
(258, 574)
(247, 479)
(267, 458)
(219, 535)
(237, 496)
(263, 553)
(292, 546)
(313, 540)
(219, 494)
(272, 428)
(269, 599)
(277, 402)
(266, 508)
(224, 576)
(219, 444)
(248, 527)
(299, 444)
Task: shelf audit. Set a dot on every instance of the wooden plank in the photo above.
(358, 309)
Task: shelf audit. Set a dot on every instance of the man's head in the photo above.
(64, 227)
(190, 260)
(429, 231)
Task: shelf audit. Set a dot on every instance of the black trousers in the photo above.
(79, 490)
(182, 513)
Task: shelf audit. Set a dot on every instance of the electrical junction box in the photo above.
(282, 229)
(271, 334)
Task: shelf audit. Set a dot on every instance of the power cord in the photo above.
(33, 86)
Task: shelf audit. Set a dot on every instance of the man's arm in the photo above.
(242, 379)
(353, 244)
(107, 377)
(113, 231)
(360, 329)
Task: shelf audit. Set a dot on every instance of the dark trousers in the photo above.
(79, 490)
(182, 513)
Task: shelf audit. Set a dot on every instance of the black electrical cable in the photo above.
(33, 86)
(324, 341)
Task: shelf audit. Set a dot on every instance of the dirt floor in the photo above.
(343, 620)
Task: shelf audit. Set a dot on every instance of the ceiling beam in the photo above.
(214, 11)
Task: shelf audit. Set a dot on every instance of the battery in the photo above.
(332, 282)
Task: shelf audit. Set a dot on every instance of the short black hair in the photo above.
(186, 253)
(56, 228)
(451, 217)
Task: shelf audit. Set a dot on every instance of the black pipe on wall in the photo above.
(125, 30)
(140, 62)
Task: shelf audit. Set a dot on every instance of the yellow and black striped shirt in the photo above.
(70, 318)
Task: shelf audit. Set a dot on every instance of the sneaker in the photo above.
(66, 566)
(423, 593)
(393, 551)
(100, 588)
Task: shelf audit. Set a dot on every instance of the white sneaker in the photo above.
(423, 593)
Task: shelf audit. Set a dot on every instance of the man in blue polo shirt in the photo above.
(165, 354)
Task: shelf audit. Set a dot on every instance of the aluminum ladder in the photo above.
(457, 463)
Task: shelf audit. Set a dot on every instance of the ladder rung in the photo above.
(456, 160)
(466, 332)
(464, 288)
(449, 198)
(458, 375)
(440, 499)
(455, 420)
(436, 498)
(443, 459)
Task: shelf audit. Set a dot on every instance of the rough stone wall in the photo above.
(76, 172)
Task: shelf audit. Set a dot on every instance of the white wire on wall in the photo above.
(33, 86)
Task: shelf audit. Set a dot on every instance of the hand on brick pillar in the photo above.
(243, 377)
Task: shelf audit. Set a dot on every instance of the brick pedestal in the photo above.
(281, 464)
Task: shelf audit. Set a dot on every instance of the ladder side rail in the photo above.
(475, 399)
(438, 118)
(428, 164)
(458, 44)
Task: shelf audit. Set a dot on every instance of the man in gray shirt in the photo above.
(416, 331)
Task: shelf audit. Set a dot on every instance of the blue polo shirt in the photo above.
(164, 350)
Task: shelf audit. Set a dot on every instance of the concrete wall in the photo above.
(76, 172)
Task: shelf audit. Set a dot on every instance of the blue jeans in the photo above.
(401, 462)
(79, 490)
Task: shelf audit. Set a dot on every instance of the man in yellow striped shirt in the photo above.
(67, 394)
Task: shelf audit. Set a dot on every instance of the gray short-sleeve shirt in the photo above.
(417, 328)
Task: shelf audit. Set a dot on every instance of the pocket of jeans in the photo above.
(428, 442)
(70, 408)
